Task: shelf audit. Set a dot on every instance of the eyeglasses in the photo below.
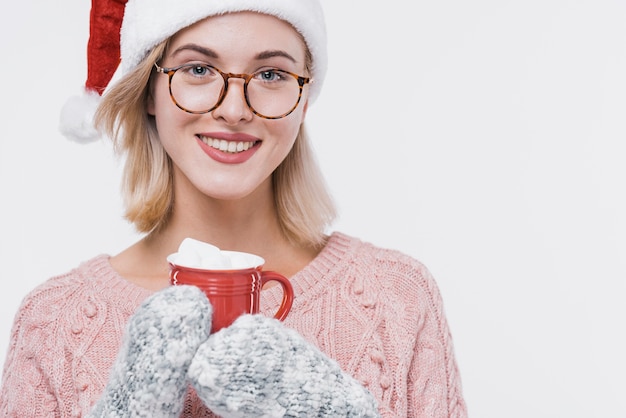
(199, 88)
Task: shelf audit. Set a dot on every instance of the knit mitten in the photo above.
(257, 367)
(149, 377)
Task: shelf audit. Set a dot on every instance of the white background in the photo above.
(484, 138)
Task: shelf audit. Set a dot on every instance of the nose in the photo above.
(234, 108)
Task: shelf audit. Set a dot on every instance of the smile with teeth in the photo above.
(232, 147)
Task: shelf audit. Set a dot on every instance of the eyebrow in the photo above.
(212, 54)
(275, 53)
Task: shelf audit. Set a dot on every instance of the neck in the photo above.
(252, 229)
(249, 224)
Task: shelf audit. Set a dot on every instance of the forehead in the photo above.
(241, 34)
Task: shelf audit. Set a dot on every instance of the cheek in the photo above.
(172, 126)
(168, 117)
(287, 133)
(293, 123)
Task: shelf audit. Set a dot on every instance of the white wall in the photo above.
(484, 138)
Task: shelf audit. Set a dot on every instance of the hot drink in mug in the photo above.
(231, 280)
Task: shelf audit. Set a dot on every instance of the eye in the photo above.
(199, 71)
(270, 76)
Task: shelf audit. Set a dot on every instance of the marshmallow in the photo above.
(201, 255)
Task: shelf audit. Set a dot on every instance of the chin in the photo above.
(231, 193)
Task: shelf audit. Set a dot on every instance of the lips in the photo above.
(228, 148)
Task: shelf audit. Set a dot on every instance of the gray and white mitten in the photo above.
(257, 367)
(149, 377)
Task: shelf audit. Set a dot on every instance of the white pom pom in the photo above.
(77, 117)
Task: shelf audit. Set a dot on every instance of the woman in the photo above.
(209, 113)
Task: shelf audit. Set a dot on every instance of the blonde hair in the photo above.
(304, 205)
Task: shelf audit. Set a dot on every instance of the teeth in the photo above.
(227, 146)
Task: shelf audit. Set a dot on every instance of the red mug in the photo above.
(232, 292)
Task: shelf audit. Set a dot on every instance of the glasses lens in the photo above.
(197, 88)
(273, 93)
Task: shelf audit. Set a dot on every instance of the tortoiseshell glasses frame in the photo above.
(170, 72)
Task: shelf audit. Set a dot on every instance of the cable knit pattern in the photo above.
(377, 312)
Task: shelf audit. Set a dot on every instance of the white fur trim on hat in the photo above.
(149, 22)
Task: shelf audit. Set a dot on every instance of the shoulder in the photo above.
(66, 314)
(388, 268)
(66, 333)
(389, 303)
(57, 291)
(397, 287)
(79, 275)
(371, 252)
(90, 289)
(60, 289)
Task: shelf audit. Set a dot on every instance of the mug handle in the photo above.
(285, 306)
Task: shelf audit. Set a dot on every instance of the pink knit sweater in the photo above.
(377, 312)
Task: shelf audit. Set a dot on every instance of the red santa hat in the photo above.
(122, 32)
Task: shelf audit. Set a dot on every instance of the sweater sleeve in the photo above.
(434, 386)
(25, 391)
(56, 366)
(65, 339)
(390, 320)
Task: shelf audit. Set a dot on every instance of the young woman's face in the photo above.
(229, 152)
